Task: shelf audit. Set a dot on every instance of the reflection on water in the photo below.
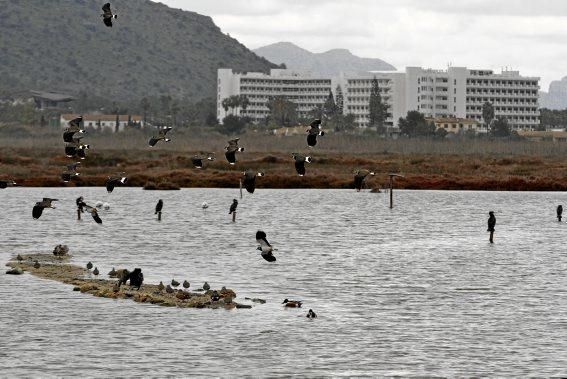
(416, 290)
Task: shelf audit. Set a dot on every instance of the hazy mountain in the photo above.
(63, 46)
(556, 98)
(328, 63)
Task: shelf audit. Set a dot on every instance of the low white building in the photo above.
(104, 121)
(457, 92)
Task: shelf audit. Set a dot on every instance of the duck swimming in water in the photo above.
(292, 303)
(311, 314)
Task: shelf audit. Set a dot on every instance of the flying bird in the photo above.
(107, 15)
(76, 148)
(160, 136)
(6, 183)
(159, 206)
(359, 177)
(114, 181)
(233, 206)
(231, 150)
(313, 132)
(249, 180)
(94, 213)
(265, 247)
(41, 205)
(198, 159)
(74, 127)
(71, 172)
(300, 163)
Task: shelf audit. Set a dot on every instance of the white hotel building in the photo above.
(455, 92)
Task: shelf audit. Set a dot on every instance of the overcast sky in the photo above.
(526, 35)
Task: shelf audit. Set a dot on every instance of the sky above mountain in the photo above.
(524, 35)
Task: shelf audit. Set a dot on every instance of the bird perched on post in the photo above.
(249, 180)
(313, 132)
(41, 205)
(71, 172)
(233, 206)
(107, 15)
(491, 225)
(300, 163)
(559, 212)
(198, 159)
(6, 183)
(359, 177)
(159, 206)
(114, 181)
(265, 247)
(162, 131)
(74, 127)
(231, 150)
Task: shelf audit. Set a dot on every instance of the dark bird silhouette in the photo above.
(206, 286)
(41, 205)
(265, 247)
(198, 159)
(174, 283)
(159, 206)
(71, 172)
(359, 177)
(36, 265)
(311, 314)
(80, 204)
(231, 150)
(168, 289)
(300, 163)
(76, 148)
(74, 127)
(491, 225)
(89, 265)
(233, 206)
(186, 284)
(112, 273)
(160, 136)
(249, 180)
(114, 181)
(6, 183)
(107, 15)
(95, 271)
(313, 132)
(559, 212)
(292, 303)
(160, 286)
(94, 213)
(19, 258)
(136, 278)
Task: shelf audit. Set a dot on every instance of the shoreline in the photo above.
(59, 269)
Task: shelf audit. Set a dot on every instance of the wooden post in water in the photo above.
(392, 188)
(233, 216)
(159, 216)
(241, 188)
(78, 214)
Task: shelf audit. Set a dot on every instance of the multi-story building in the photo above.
(306, 91)
(457, 92)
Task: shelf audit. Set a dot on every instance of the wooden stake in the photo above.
(241, 188)
(233, 216)
(78, 214)
(159, 216)
(392, 188)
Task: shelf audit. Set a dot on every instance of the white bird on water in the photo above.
(204, 205)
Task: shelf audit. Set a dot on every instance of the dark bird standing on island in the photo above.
(300, 163)
(36, 264)
(107, 15)
(359, 177)
(559, 212)
(6, 183)
(233, 206)
(160, 287)
(89, 265)
(160, 136)
(206, 286)
(231, 150)
(114, 181)
(112, 273)
(292, 303)
(41, 205)
(314, 131)
(95, 271)
(491, 225)
(74, 127)
(265, 247)
(198, 159)
(168, 289)
(159, 206)
(174, 283)
(136, 278)
(186, 284)
(249, 180)
(311, 314)
(19, 258)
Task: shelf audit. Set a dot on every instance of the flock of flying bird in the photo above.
(75, 148)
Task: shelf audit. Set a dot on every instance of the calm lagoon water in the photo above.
(416, 290)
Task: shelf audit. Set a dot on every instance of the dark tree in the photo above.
(487, 115)
(500, 128)
(232, 124)
(339, 100)
(330, 108)
(415, 125)
(145, 105)
(378, 112)
(282, 111)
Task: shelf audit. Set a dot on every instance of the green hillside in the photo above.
(62, 45)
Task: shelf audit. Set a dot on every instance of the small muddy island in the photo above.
(58, 268)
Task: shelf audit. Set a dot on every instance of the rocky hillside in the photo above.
(63, 45)
(328, 63)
